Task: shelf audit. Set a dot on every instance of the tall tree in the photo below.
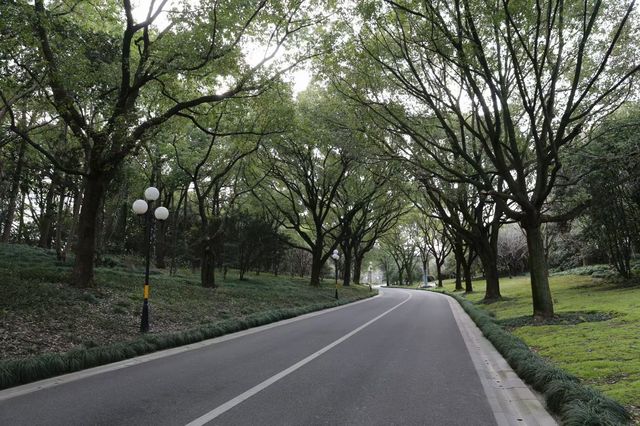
(399, 244)
(114, 82)
(367, 205)
(305, 170)
(520, 81)
(208, 156)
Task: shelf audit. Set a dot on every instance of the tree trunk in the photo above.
(357, 268)
(77, 202)
(468, 282)
(13, 195)
(208, 265)
(489, 263)
(458, 275)
(316, 268)
(21, 221)
(100, 234)
(46, 220)
(540, 291)
(59, 219)
(94, 190)
(346, 278)
(466, 266)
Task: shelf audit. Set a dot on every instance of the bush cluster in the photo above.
(564, 394)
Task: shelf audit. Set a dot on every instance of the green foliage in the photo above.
(610, 163)
(586, 270)
(564, 393)
(252, 242)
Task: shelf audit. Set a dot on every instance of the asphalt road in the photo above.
(398, 359)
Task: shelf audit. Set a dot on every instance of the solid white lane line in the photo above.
(273, 379)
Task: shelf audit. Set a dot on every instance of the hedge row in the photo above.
(21, 371)
(564, 394)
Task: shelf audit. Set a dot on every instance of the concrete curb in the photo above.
(512, 401)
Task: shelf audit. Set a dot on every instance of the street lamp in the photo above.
(141, 207)
(335, 256)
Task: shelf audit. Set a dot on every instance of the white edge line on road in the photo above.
(82, 374)
(273, 379)
(510, 399)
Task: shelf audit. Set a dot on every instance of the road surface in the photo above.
(397, 359)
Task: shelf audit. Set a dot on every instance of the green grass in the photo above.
(565, 395)
(50, 327)
(601, 347)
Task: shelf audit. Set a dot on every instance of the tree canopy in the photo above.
(480, 137)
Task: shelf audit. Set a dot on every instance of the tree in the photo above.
(469, 216)
(367, 205)
(114, 83)
(610, 163)
(399, 245)
(518, 83)
(304, 170)
(251, 242)
(431, 238)
(208, 159)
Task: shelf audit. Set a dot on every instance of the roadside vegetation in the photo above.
(41, 314)
(594, 334)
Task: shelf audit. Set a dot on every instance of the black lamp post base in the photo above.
(144, 323)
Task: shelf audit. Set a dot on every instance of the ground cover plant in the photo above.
(594, 336)
(42, 315)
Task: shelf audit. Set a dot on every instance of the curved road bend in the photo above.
(397, 359)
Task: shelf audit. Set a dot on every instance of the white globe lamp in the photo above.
(151, 193)
(140, 207)
(161, 213)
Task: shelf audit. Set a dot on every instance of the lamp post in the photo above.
(141, 207)
(369, 280)
(335, 256)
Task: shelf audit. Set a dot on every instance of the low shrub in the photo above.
(588, 270)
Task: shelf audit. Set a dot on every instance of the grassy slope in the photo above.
(40, 313)
(605, 354)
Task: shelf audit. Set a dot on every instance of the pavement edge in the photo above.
(511, 400)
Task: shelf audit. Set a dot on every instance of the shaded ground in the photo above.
(40, 312)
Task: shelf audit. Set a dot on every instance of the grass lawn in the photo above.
(40, 313)
(596, 335)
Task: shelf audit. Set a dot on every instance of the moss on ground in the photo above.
(604, 353)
